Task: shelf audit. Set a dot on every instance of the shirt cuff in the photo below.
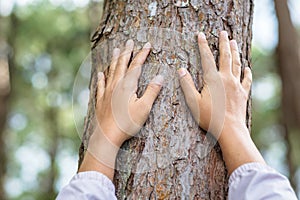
(96, 176)
(243, 169)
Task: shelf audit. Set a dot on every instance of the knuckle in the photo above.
(123, 57)
(230, 81)
(136, 62)
(235, 52)
(191, 99)
(248, 79)
(145, 106)
(187, 81)
(226, 54)
(206, 53)
(245, 95)
(225, 78)
(248, 71)
(249, 83)
(250, 76)
(110, 88)
(153, 88)
(202, 42)
(237, 62)
(232, 84)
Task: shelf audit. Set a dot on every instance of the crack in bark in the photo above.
(99, 32)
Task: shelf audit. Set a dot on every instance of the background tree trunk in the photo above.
(4, 102)
(171, 157)
(288, 54)
(51, 116)
(6, 68)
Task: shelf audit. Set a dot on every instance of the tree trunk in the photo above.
(171, 157)
(288, 54)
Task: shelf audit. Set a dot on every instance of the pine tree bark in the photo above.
(171, 157)
(288, 55)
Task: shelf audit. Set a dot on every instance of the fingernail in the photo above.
(100, 76)
(129, 43)
(224, 34)
(116, 52)
(159, 80)
(181, 72)
(202, 35)
(147, 46)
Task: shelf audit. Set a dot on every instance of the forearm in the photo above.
(90, 163)
(100, 156)
(238, 147)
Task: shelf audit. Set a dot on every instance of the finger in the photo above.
(188, 87)
(151, 92)
(123, 61)
(207, 59)
(100, 86)
(131, 79)
(225, 53)
(135, 68)
(236, 62)
(247, 81)
(141, 57)
(113, 64)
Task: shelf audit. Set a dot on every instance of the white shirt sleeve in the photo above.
(248, 182)
(258, 181)
(88, 185)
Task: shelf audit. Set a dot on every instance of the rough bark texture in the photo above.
(288, 53)
(171, 158)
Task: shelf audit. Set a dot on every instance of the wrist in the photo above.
(232, 131)
(237, 146)
(103, 149)
(111, 135)
(91, 163)
(100, 155)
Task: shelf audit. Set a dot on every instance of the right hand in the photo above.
(223, 99)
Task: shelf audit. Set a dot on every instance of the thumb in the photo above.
(152, 91)
(188, 87)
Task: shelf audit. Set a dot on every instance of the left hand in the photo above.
(120, 113)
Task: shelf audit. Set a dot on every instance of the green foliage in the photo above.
(49, 43)
(266, 99)
(268, 131)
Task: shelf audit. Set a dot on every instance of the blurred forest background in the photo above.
(44, 42)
